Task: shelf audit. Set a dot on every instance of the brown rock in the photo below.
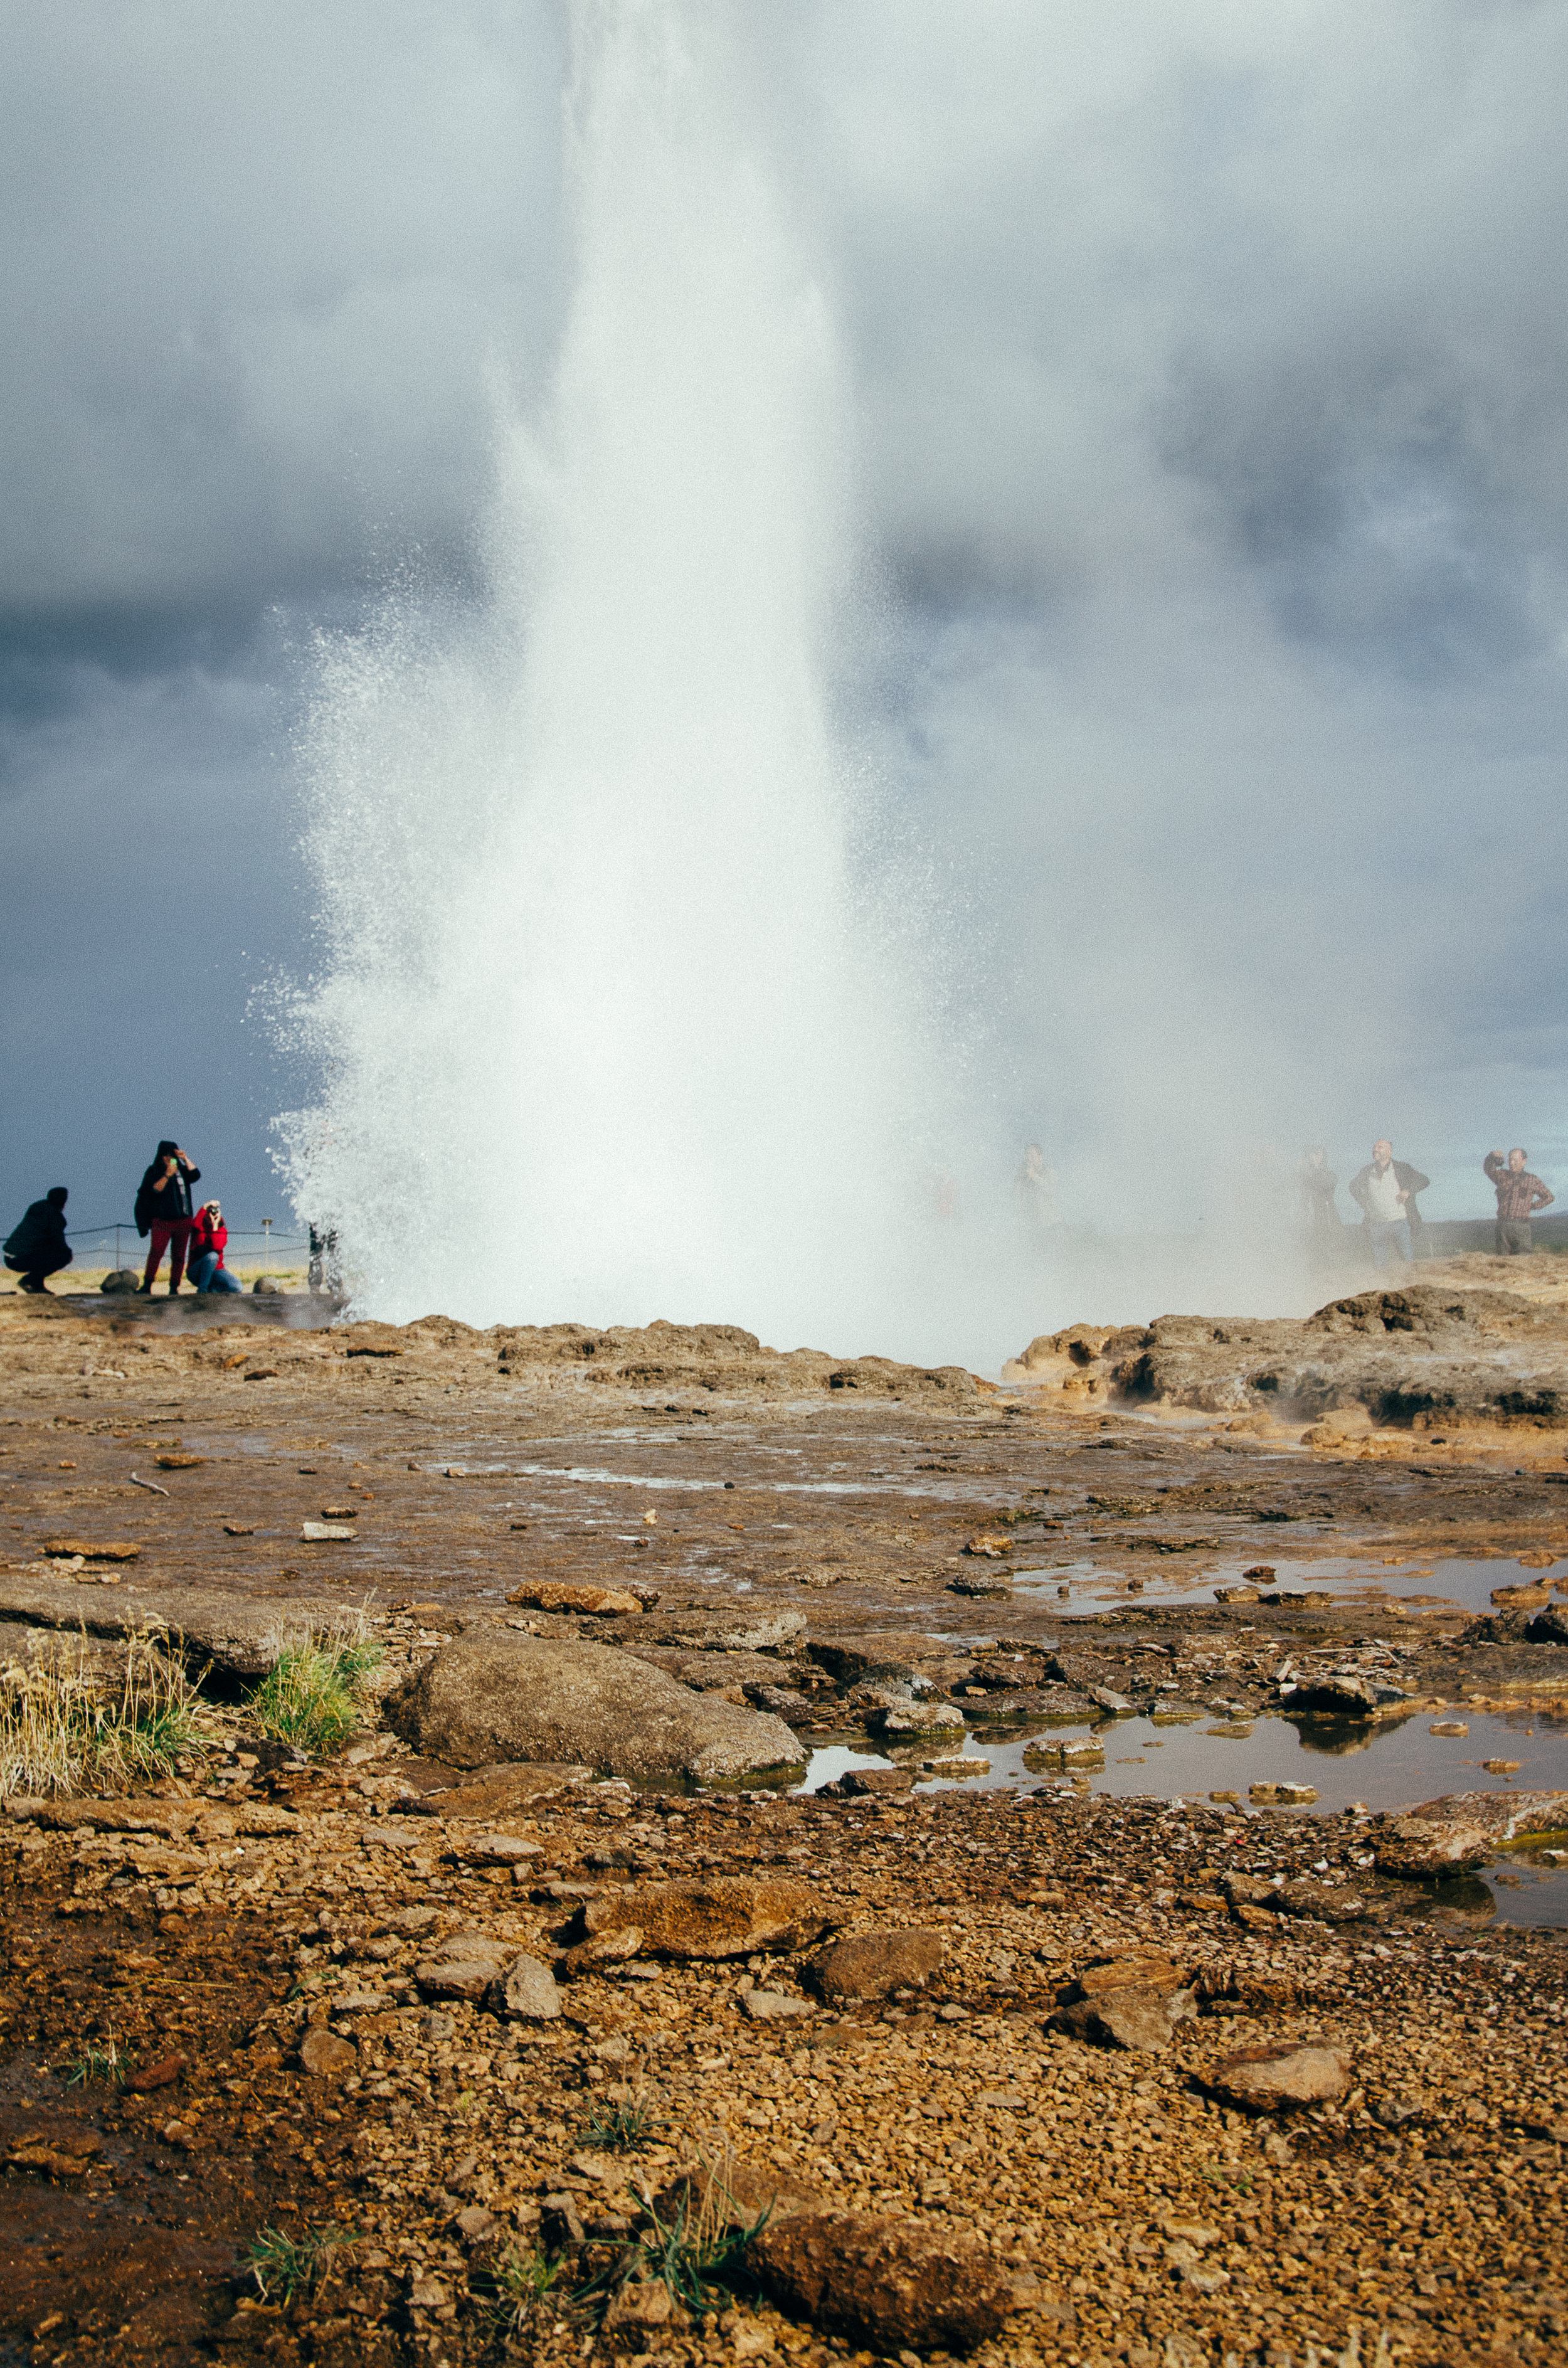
(489, 1694)
(463, 1967)
(891, 2283)
(62, 2151)
(498, 1789)
(1143, 2020)
(1417, 1847)
(1270, 2079)
(324, 2055)
(562, 1595)
(738, 2195)
(109, 1550)
(862, 1780)
(157, 2076)
(874, 1964)
(1133, 2000)
(526, 1992)
(640, 2310)
(1143, 1970)
(730, 1915)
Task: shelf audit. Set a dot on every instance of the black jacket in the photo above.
(1411, 1180)
(39, 1244)
(169, 1206)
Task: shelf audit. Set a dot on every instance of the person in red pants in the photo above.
(162, 1208)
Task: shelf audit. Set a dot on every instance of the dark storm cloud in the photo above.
(257, 263)
(1207, 369)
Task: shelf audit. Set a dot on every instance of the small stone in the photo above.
(1105, 1699)
(1502, 1767)
(874, 1964)
(155, 2076)
(464, 1967)
(1448, 1726)
(326, 2056)
(772, 2006)
(527, 1992)
(317, 1533)
(642, 2309)
(474, 2222)
(558, 2223)
(861, 1780)
(498, 1850)
(1283, 1797)
(1270, 2079)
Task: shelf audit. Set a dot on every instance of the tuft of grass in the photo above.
(285, 2266)
(109, 2063)
(313, 1695)
(699, 2254)
(620, 2129)
(522, 2282)
(64, 1725)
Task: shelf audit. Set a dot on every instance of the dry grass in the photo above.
(66, 1724)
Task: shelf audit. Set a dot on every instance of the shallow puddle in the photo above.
(1383, 1767)
(1417, 1583)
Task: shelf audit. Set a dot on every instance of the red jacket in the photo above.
(205, 1235)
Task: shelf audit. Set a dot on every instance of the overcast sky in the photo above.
(1207, 365)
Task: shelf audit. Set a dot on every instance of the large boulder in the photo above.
(489, 1697)
(891, 2283)
(1423, 1848)
(241, 1636)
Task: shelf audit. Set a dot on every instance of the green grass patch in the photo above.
(283, 2266)
(619, 2129)
(523, 2282)
(313, 1694)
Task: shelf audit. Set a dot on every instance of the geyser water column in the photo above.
(607, 1027)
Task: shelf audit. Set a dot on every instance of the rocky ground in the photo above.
(463, 2025)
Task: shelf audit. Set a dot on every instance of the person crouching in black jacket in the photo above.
(38, 1245)
(162, 1208)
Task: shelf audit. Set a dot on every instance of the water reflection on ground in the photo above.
(1383, 1767)
(1424, 1582)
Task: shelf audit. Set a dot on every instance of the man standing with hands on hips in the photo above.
(1385, 1190)
(1519, 1195)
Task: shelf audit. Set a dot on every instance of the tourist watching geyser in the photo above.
(1385, 1193)
(162, 1208)
(1519, 1195)
(209, 1240)
(39, 1247)
(1316, 1184)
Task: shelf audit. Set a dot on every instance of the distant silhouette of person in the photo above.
(323, 1273)
(209, 1240)
(1316, 1184)
(1385, 1191)
(1519, 1195)
(162, 1208)
(1034, 1188)
(39, 1246)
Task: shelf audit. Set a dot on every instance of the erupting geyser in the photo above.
(609, 1029)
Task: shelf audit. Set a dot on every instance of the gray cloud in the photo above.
(1208, 371)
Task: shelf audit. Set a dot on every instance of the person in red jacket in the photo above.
(208, 1239)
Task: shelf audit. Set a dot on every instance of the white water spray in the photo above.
(608, 1029)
